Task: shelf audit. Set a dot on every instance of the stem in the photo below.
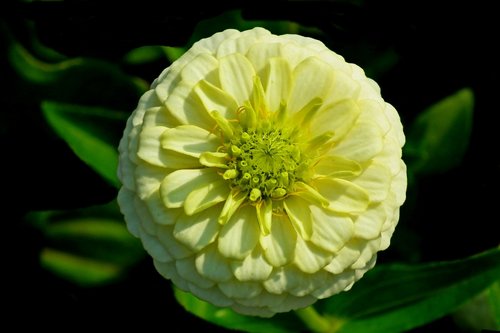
(313, 320)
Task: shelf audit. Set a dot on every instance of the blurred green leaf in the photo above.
(494, 302)
(395, 298)
(76, 80)
(227, 318)
(144, 54)
(89, 133)
(439, 137)
(90, 246)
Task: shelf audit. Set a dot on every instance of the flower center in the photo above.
(264, 162)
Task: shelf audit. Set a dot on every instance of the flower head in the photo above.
(262, 172)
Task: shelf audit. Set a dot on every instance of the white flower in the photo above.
(262, 172)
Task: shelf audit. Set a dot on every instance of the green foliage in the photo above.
(89, 133)
(88, 246)
(439, 137)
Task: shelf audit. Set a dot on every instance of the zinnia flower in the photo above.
(262, 172)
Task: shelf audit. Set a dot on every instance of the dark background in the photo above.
(439, 49)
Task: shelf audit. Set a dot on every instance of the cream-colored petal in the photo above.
(212, 43)
(264, 299)
(212, 295)
(206, 195)
(399, 184)
(199, 230)
(146, 220)
(277, 82)
(202, 67)
(211, 264)
(343, 196)
(292, 302)
(160, 213)
(189, 140)
(369, 224)
(260, 53)
(154, 247)
(295, 53)
(390, 156)
(337, 117)
(279, 245)
(368, 252)
(184, 105)
(212, 98)
(159, 116)
(336, 166)
(336, 284)
(187, 270)
(150, 151)
(169, 271)
(376, 180)
(362, 143)
(312, 78)
(375, 108)
(240, 289)
(310, 258)
(125, 200)
(335, 60)
(234, 200)
(214, 159)
(175, 248)
(343, 88)
(239, 236)
(253, 268)
(299, 214)
(148, 179)
(331, 230)
(242, 43)
(236, 76)
(344, 258)
(176, 187)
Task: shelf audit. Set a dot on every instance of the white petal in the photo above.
(362, 143)
(199, 230)
(174, 247)
(312, 78)
(236, 75)
(186, 108)
(398, 185)
(279, 245)
(369, 224)
(240, 234)
(179, 184)
(150, 151)
(344, 196)
(242, 43)
(159, 116)
(206, 195)
(309, 257)
(189, 140)
(292, 303)
(160, 213)
(125, 200)
(261, 53)
(239, 289)
(212, 98)
(187, 270)
(336, 284)
(202, 67)
(343, 88)
(277, 82)
(368, 252)
(169, 271)
(147, 223)
(263, 300)
(337, 118)
(331, 230)
(344, 258)
(336, 166)
(211, 264)
(148, 179)
(299, 214)
(376, 109)
(253, 268)
(212, 295)
(154, 247)
(376, 180)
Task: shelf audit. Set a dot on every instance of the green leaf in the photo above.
(92, 133)
(396, 298)
(89, 247)
(227, 318)
(144, 54)
(439, 137)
